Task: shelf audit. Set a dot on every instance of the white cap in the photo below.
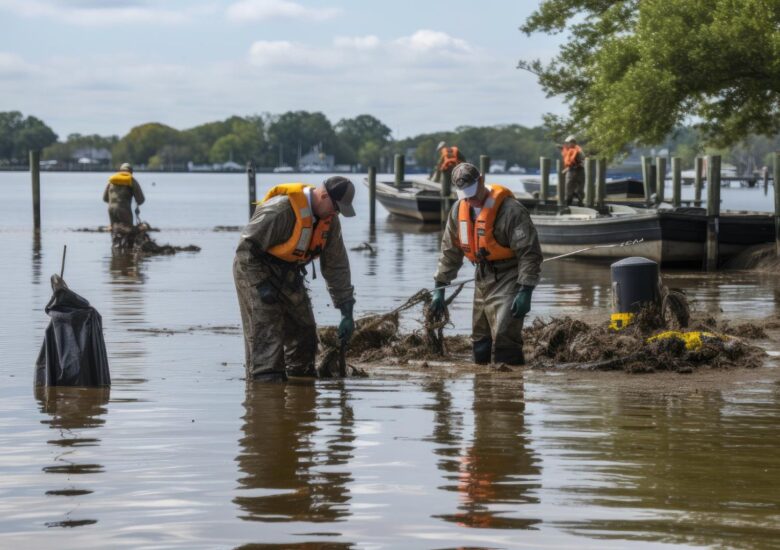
(570, 138)
(440, 145)
(469, 191)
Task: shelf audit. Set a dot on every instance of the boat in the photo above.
(667, 235)
(283, 169)
(624, 188)
(420, 199)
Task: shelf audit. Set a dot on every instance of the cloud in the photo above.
(368, 42)
(426, 41)
(13, 66)
(263, 10)
(96, 13)
(285, 55)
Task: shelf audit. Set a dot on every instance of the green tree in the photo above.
(302, 128)
(633, 70)
(20, 135)
(355, 133)
(143, 142)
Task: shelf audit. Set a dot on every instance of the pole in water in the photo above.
(660, 179)
(676, 182)
(561, 185)
(484, 165)
(64, 252)
(251, 183)
(35, 173)
(713, 211)
(372, 195)
(399, 168)
(544, 171)
(697, 181)
(647, 162)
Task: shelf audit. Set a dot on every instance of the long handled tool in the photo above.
(565, 255)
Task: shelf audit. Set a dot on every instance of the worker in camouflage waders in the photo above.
(449, 158)
(294, 224)
(490, 227)
(120, 191)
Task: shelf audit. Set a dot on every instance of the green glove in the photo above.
(347, 325)
(522, 302)
(437, 303)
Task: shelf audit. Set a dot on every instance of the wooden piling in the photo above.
(697, 181)
(765, 175)
(399, 169)
(372, 195)
(776, 177)
(544, 171)
(252, 186)
(561, 185)
(713, 211)
(601, 183)
(676, 182)
(647, 163)
(660, 179)
(446, 199)
(590, 182)
(484, 165)
(35, 174)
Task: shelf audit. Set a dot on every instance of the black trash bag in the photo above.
(73, 351)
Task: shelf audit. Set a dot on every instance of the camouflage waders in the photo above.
(493, 327)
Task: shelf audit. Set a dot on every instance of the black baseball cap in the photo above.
(341, 191)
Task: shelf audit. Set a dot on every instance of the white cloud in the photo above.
(425, 41)
(13, 66)
(368, 42)
(282, 54)
(261, 10)
(94, 13)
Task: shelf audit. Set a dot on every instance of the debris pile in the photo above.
(136, 239)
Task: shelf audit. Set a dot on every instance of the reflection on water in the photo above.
(37, 258)
(495, 475)
(72, 413)
(701, 470)
(293, 464)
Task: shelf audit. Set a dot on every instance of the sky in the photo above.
(105, 66)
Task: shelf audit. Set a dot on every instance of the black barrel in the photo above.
(634, 283)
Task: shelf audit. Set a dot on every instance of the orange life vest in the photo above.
(449, 158)
(121, 178)
(476, 237)
(570, 156)
(307, 239)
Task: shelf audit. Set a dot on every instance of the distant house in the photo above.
(92, 155)
(316, 161)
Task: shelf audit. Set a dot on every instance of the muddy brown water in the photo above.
(179, 453)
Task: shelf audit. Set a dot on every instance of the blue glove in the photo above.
(347, 325)
(522, 302)
(437, 303)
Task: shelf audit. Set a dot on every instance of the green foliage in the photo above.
(144, 142)
(20, 135)
(364, 136)
(633, 71)
(304, 130)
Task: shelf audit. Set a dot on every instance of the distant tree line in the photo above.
(272, 140)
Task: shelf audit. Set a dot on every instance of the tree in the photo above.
(357, 133)
(633, 70)
(19, 135)
(304, 129)
(145, 141)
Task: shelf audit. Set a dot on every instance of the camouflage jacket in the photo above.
(121, 196)
(513, 229)
(273, 223)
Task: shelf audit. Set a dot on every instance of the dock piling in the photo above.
(544, 170)
(399, 169)
(35, 174)
(372, 195)
(561, 185)
(647, 163)
(660, 179)
(713, 211)
(697, 181)
(776, 178)
(601, 183)
(590, 182)
(484, 165)
(676, 182)
(252, 185)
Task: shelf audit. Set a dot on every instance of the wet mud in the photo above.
(136, 239)
(761, 258)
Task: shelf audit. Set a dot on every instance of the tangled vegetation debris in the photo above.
(136, 239)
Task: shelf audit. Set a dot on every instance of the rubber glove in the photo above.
(437, 303)
(522, 302)
(268, 294)
(347, 325)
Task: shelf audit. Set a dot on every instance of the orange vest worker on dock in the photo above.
(573, 170)
(294, 224)
(449, 158)
(490, 227)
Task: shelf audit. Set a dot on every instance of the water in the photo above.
(178, 454)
